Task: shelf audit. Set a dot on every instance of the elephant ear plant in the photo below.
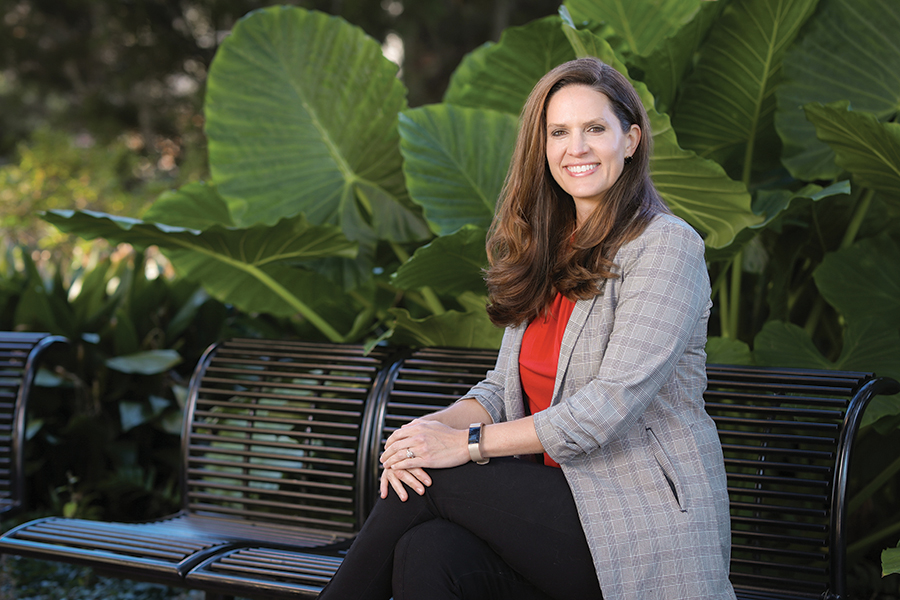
(334, 204)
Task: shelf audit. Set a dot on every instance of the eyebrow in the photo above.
(597, 121)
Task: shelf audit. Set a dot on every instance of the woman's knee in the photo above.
(440, 560)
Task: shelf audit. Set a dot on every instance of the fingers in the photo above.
(400, 479)
(401, 454)
(401, 447)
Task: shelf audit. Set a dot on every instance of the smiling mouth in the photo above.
(577, 169)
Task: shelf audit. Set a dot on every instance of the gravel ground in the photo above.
(29, 579)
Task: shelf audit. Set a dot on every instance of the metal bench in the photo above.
(273, 427)
(274, 449)
(20, 356)
(427, 380)
(787, 436)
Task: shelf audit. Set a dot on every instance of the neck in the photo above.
(583, 210)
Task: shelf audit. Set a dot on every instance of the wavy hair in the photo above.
(534, 247)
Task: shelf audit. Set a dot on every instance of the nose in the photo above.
(577, 144)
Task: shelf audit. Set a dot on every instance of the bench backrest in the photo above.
(786, 436)
(20, 354)
(274, 432)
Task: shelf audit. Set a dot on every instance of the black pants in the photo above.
(508, 529)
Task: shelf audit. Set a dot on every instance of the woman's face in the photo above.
(586, 147)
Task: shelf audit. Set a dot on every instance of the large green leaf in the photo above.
(867, 148)
(196, 205)
(500, 76)
(469, 329)
(301, 115)
(727, 105)
(872, 265)
(773, 203)
(871, 336)
(455, 162)
(699, 190)
(696, 189)
(664, 69)
(451, 264)
(849, 52)
(642, 25)
(868, 346)
(245, 267)
(728, 351)
(775, 207)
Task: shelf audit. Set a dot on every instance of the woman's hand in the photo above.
(416, 479)
(419, 444)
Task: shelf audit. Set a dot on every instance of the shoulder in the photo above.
(665, 235)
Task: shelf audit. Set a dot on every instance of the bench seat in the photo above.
(273, 450)
(161, 551)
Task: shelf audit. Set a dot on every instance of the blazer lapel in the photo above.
(573, 329)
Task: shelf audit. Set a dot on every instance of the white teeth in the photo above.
(581, 168)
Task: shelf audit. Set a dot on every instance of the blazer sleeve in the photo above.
(491, 392)
(662, 297)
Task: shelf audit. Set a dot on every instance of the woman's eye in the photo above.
(597, 129)
(557, 132)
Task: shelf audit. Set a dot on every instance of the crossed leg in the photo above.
(522, 512)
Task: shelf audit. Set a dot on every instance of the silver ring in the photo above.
(409, 453)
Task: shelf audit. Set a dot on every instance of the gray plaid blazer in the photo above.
(628, 426)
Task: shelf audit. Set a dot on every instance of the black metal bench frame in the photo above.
(787, 435)
(273, 451)
(20, 356)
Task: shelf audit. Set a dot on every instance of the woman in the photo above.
(605, 299)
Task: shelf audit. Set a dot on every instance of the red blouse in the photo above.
(539, 356)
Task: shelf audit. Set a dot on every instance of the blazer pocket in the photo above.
(668, 470)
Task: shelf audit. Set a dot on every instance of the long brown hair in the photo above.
(534, 247)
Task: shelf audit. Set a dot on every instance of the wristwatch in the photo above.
(475, 444)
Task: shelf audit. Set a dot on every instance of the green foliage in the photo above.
(333, 154)
(890, 560)
(449, 265)
(104, 424)
(328, 144)
(53, 172)
(641, 28)
(455, 179)
(739, 66)
(241, 266)
(846, 54)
